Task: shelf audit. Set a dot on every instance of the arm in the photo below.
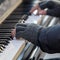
(43, 5)
(47, 4)
(53, 8)
(54, 12)
(48, 39)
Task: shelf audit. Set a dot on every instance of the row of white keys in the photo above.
(11, 51)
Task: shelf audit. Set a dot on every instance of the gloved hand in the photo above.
(29, 32)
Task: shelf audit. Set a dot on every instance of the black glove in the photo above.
(29, 32)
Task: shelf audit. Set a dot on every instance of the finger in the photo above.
(34, 8)
(13, 32)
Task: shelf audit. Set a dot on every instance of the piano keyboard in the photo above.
(11, 49)
(9, 23)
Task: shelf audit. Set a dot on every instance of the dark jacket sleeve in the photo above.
(47, 4)
(49, 39)
(54, 12)
(53, 8)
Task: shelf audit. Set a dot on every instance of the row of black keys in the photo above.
(10, 22)
(4, 42)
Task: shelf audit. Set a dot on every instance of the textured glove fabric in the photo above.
(48, 39)
(53, 8)
(28, 32)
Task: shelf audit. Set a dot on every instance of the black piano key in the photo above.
(11, 37)
(7, 25)
(5, 30)
(17, 13)
(8, 38)
(0, 51)
(13, 17)
(5, 33)
(3, 42)
(24, 6)
(1, 48)
(2, 45)
(4, 36)
(23, 9)
(11, 21)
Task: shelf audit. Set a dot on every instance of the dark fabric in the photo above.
(28, 32)
(48, 39)
(1, 1)
(53, 8)
(47, 4)
(54, 12)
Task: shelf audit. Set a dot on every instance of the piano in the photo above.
(20, 49)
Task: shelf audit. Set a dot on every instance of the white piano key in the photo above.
(12, 50)
(32, 19)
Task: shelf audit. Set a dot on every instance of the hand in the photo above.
(28, 31)
(13, 33)
(40, 11)
(37, 7)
